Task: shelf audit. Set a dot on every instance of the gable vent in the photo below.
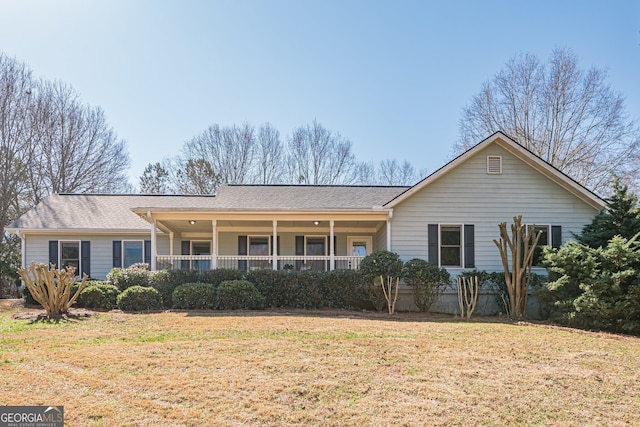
(494, 165)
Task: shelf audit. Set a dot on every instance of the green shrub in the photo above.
(427, 281)
(383, 269)
(194, 296)
(123, 278)
(308, 285)
(98, 295)
(166, 281)
(277, 287)
(239, 294)
(343, 289)
(215, 277)
(139, 298)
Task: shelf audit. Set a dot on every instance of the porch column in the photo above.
(214, 244)
(171, 243)
(274, 250)
(154, 249)
(332, 250)
(389, 235)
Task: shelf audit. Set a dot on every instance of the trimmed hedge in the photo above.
(98, 295)
(239, 294)
(166, 281)
(124, 278)
(194, 296)
(139, 298)
(215, 277)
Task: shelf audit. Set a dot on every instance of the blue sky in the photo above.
(391, 76)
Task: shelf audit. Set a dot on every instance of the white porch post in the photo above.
(154, 249)
(389, 235)
(171, 243)
(214, 244)
(274, 261)
(332, 250)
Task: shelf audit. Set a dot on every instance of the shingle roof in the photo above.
(114, 212)
(99, 211)
(304, 197)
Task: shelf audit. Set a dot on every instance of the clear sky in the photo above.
(391, 76)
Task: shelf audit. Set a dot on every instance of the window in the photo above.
(451, 246)
(543, 241)
(70, 255)
(316, 246)
(132, 252)
(259, 245)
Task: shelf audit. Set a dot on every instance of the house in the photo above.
(450, 218)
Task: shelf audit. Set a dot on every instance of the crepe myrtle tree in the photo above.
(384, 268)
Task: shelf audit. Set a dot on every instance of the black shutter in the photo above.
(53, 252)
(242, 250)
(433, 238)
(469, 246)
(85, 258)
(147, 251)
(556, 236)
(299, 250)
(185, 249)
(117, 254)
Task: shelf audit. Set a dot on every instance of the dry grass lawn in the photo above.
(317, 368)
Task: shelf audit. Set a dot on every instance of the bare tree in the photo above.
(319, 156)
(16, 152)
(229, 151)
(568, 116)
(79, 151)
(196, 177)
(391, 172)
(269, 156)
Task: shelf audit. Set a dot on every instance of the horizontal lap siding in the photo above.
(467, 195)
(37, 249)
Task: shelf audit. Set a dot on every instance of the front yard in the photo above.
(317, 368)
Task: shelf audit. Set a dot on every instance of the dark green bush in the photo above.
(194, 296)
(98, 295)
(123, 278)
(239, 294)
(166, 281)
(139, 298)
(343, 289)
(215, 277)
(427, 281)
(278, 287)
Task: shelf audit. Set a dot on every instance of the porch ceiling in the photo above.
(201, 226)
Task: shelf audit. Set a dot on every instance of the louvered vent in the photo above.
(494, 165)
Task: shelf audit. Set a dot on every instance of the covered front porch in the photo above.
(256, 241)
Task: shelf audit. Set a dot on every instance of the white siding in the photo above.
(37, 249)
(468, 195)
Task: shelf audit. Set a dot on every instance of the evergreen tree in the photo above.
(621, 217)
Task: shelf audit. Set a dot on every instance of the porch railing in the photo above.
(255, 262)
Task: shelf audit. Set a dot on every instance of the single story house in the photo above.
(450, 218)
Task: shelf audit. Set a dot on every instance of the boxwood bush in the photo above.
(194, 296)
(215, 277)
(166, 281)
(124, 278)
(98, 295)
(239, 294)
(139, 298)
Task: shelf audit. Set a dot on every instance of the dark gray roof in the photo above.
(114, 211)
(304, 197)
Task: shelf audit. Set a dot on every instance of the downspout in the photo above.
(154, 249)
(214, 244)
(274, 249)
(332, 250)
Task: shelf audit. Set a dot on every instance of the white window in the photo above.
(359, 245)
(451, 245)
(69, 255)
(132, 252)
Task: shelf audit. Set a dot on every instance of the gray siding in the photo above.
(37, 249)
(468, 195)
